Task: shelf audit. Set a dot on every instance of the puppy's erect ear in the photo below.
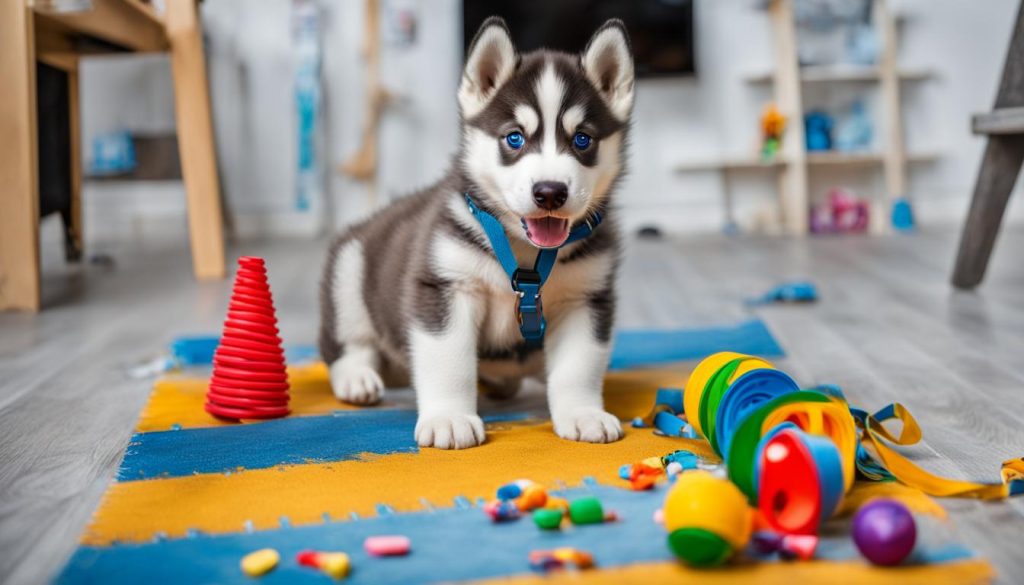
(608, 63)
(490, 61)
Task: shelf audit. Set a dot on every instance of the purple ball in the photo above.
(884, 532)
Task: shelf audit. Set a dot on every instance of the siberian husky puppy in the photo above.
(417, 288)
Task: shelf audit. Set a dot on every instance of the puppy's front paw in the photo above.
(450, 431)
(590, 425)
(356, 383)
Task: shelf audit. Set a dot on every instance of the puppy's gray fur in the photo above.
(416, 288)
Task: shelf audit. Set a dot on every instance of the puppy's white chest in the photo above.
(499, 326)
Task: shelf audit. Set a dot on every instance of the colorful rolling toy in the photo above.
(249, 380)
(709, 383)
(707, 519)
(800, 478)
(884, 532)
(745, 440)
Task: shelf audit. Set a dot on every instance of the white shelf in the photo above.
(830, 158)
(842, 73)
(733, 164)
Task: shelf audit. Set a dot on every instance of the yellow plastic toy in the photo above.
(707, 519)
(260, 562)
(702, 374)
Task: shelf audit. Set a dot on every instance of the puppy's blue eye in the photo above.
(515, 140)
(581, 141)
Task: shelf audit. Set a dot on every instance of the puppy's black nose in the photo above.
(550, 194)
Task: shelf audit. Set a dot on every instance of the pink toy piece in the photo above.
(387, 546)
(659, 516)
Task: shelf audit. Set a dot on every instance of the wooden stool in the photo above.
(1000, 166)
(29, 32)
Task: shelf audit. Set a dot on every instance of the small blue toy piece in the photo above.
(501, 510)
(902, 215)
(686, 459)
(669, 424)
(624, 471)
(671, 397)
(509, 491)
(196, 350)
(788, 292)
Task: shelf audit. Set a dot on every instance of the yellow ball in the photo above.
(701, 500)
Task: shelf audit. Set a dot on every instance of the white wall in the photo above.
(711, 116)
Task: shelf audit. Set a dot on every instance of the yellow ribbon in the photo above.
(875, 434)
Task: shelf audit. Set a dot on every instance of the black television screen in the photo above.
(661, 30)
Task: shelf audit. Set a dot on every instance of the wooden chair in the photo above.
(34, 31)
(1000, 166)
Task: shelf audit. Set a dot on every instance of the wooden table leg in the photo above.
(999, 169)
(195, 139)
(19, 196)
(74, 252)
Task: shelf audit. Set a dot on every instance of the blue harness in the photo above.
(527, 282)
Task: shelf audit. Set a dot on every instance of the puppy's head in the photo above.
(544, 133)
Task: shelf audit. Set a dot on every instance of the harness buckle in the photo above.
(526, 283)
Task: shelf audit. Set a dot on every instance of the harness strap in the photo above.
(527, 282)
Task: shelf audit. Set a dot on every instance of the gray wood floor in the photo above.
(888, 328)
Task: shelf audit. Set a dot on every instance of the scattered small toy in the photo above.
(645, 474)
(532, 496)
(260, 562)
(334, 564)
(787, 292)
(798, 546)
(501, 510)
(544, 561)
(515, 498)
(765, 542)
(586, 510)
(884, 532)
(387, 546)
(548, 518)
(667, 400)
(509, 491)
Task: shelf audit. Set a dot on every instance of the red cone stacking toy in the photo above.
(249, 378)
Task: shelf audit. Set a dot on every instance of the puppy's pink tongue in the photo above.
(547, 232)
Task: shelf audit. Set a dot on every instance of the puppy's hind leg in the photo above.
(347, 333)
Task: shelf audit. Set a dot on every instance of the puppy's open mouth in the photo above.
(547, 232)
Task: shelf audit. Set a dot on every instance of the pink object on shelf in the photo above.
(843, 213)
